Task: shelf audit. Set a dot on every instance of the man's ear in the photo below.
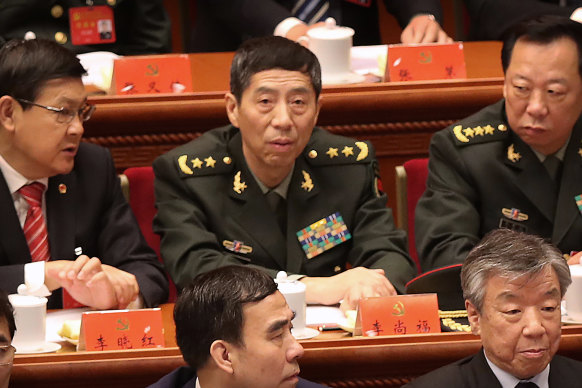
(232, 108)
(7, 109)
(317, 107)
(474, 317)
(220, 352)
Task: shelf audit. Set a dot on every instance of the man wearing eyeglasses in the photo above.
(7, 329)
(63, 212)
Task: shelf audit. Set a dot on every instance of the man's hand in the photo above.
(92, 283)
(575, 259)
(351, 286)
(424, 29)
(124, 283)
(300, 30)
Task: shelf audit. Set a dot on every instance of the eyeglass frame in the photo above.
(5, 351)
(63, 111)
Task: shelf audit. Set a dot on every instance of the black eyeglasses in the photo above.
(65, 115)
(6, 354)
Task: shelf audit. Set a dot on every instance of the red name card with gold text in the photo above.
(121, 330)
(398, 315)
(425, 62)
(152, 74)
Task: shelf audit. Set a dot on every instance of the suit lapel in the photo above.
(571, 186)
(478, 374)
(302, 189)
(531, 177)
(61, 216)
(12, 241)
(253, 214)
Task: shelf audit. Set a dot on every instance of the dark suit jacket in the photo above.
(474, 372)
(221, 25)
(199, 213)
(473, 183)
(93, 215)
(491, 18)
(184, 377)
(141, 26)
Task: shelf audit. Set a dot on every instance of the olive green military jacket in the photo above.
(482, 177)
(212, 213)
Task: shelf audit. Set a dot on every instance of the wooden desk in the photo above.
(333, 359)
(399, 118)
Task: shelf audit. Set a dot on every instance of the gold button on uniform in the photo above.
(57, 11)
(313, 154)
(61, 37)
(337, 269)
(111, 2)
(227, 160)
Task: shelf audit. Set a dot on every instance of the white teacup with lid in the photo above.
(294, 293)
(332, 45)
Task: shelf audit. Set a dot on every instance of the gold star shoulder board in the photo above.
(478, 133)
(203, 164)
(325, 149)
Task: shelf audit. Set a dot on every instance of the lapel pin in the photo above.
(78, 251)
(63, 188)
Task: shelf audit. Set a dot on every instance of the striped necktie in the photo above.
(311, 11)
(34, 225)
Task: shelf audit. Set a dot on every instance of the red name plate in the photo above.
(398, 315)
(153, 74)
(121, 330)
(425, 62)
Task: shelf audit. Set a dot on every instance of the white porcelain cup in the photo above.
(332, 46)
(574, 294)
(30, 318)
(294, 293)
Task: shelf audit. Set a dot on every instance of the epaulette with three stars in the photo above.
(478, 134)
(337, 150)
(193, 165)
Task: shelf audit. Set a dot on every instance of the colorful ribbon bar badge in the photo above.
(323, 235)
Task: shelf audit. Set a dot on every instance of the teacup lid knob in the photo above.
(330, 23)
(281, 277)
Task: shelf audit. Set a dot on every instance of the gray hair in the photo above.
(509, 254)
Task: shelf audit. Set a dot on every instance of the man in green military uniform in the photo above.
(132, 27)
(516, 164)
(274, 192)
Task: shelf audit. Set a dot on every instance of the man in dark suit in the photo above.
(513, 284)
(517, 163)
(61, 202)
(490, 19)
(233, 328)
(256, 192)
(221, 25)
(140, 26)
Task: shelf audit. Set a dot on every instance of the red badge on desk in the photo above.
(92, 25)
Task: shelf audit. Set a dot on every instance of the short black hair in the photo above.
(7, 312)
(26, 65)
(542, 30)
(211, 308)
(271, 52)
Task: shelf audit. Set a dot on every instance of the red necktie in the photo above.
(36, 233)
(35, 225)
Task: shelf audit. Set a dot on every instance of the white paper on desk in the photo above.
(318, 315)
(99, 66)
(369, 59)
(55, 320)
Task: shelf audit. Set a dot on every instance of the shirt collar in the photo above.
(14, 179)
(280, 189)
(558, 154)
(507, 380)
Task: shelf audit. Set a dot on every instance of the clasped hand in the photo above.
(92, 283)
